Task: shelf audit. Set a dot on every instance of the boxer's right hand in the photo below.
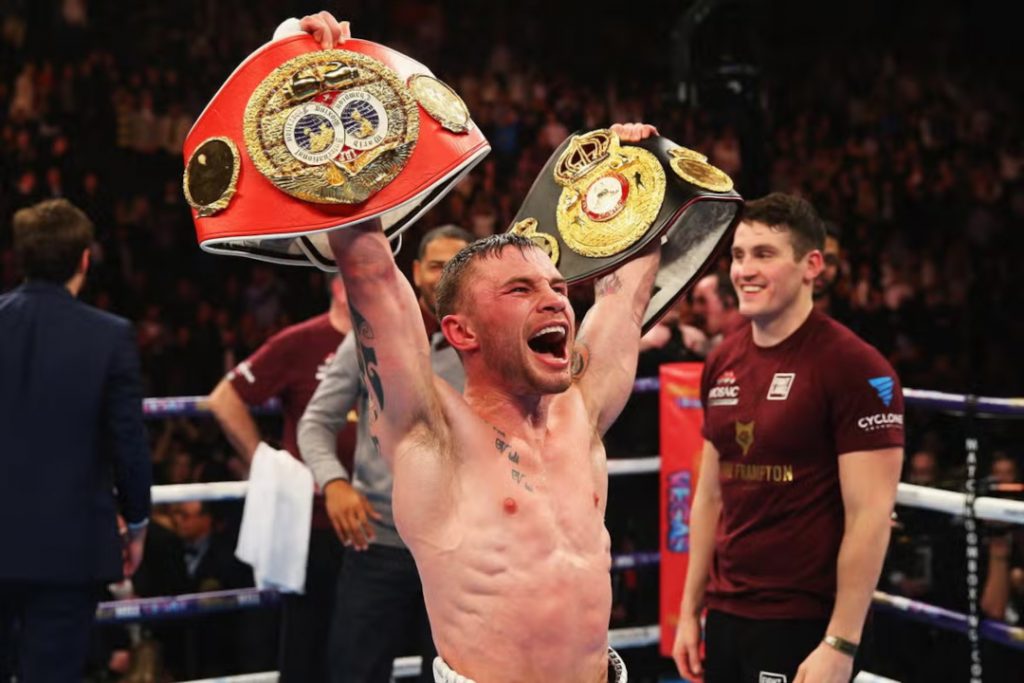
(350, 513)
(325, 29)
(686, 649)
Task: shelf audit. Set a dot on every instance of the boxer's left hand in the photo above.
(325, 29)
(634, 132)
(825, 665)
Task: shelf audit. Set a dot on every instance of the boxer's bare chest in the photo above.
(554, 491)
(548, 486)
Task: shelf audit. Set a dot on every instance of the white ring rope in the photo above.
(634, 465)
(181, 493)
(950, 502)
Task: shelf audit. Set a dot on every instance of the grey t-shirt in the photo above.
(340, 391)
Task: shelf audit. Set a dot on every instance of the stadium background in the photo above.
(901, 122)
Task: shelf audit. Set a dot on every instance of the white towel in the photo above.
(274, 538)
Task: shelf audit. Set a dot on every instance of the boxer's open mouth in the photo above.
(550, 340)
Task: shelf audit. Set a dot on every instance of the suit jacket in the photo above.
(73, 447)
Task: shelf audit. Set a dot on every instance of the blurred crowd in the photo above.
(913, 155)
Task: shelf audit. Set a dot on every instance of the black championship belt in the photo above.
(599, 202)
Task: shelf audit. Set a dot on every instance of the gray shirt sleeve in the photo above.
(327, 413)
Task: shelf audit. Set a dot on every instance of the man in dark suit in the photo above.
(75, 472)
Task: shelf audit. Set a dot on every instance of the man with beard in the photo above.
(500, 491)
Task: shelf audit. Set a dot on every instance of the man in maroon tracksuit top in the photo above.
(803, 429)
(289, 366)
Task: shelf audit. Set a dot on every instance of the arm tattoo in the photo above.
(580, 360)
(367, 356)
(609, 284)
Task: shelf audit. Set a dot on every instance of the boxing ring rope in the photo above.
(939, 500)
(996, 631)
(949, 502)
(984, 406)
(915, 496)
(198, 604)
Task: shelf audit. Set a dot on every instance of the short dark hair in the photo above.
(785, 212)
(445, 232)
(49, 239)
(450, 286)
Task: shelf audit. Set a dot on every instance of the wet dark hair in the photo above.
(449, 289)
(784, 212)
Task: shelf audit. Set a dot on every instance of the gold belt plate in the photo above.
(611, 194)
(331, 127)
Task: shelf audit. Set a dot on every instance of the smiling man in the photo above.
(803, 428)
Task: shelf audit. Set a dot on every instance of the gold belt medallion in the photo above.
(331, 127)
(686, 153)
(693, 167)
(610, 194)
(547, 243)
(211, 176)
(441, 102)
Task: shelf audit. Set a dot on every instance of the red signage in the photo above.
(681, 444)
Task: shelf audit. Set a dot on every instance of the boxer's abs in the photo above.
(524, 593)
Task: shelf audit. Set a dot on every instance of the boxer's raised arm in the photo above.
(605, 358)
(394, 354)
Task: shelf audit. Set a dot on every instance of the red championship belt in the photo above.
(300, 141)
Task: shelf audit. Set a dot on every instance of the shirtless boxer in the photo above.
(500, 492)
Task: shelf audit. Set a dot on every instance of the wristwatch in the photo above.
(841, 645)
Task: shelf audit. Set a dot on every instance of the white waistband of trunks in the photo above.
(616, 671)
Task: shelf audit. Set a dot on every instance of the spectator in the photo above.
(225, 644)
(923, 469)
(715, 308)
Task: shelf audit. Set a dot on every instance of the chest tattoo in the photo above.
(503, 447)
